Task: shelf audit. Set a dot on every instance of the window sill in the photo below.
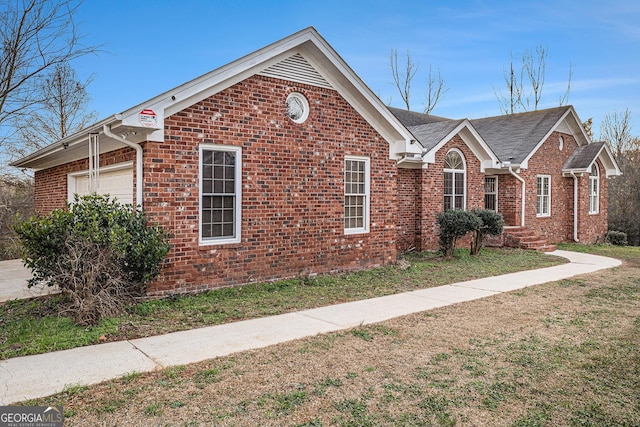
(227, 242)
(355, 232)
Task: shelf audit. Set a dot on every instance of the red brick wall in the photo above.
(432, 191)
(558, 227)
(409, 202)
(292, 184)
(51, 184)
(592, 227)
(509, 199)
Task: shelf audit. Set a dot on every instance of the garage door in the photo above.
(116, 181)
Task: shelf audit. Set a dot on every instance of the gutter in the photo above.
(107, 131)
(519, 178)
(575, 207)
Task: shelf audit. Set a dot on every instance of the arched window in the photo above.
(594, 190)
(454, 180)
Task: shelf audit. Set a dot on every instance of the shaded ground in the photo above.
(565, 353)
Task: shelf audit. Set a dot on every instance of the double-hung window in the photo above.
(454, 181)
(543, 201)
(356, 194)
(220, 194)
(594, 187)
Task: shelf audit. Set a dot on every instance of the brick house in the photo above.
(284, 163)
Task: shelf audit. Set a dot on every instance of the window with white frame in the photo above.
(594, 190)
(220, 194)
(356, 194)
(543, 202)
(454, 180)
(491, 193)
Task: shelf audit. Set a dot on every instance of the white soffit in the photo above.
(296, 69)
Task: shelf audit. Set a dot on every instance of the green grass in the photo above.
(32, 326)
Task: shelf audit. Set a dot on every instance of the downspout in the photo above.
(519, 178)
(107, 131)
(575, 207)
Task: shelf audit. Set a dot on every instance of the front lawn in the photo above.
(33, 327)
(559, 354)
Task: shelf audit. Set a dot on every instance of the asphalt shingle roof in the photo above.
(584, 155)
(514, 136)
(431, 133)
(511, 137)
(411, 118)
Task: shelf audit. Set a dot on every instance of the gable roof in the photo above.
(583, 158)
(513, 138)
(516, 137)
(302, 57)
(432, 132)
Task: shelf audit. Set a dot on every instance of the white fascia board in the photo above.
(609, 161)
(200, 88)
(63, 145)
(579, 133)
(316, 50)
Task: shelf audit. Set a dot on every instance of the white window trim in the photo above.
(464, 180)
(72, 188)
(367, 197)
(238, 191)
(543, 214)
(595, 178)
(496, 193)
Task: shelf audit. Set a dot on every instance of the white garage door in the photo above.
(116, 181)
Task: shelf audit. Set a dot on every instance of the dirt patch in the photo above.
(564, 353)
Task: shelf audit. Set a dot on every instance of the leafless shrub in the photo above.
(92, 281)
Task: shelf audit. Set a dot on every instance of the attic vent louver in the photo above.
(295, 68)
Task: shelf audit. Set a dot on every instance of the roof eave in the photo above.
(28, 162)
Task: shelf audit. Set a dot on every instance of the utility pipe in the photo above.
(575, 207)
(107, 131)
(519, 178)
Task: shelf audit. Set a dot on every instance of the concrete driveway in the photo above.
(13, 282)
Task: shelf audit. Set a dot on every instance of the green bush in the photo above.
(455, 224)
(617, 238)
(492, 224)
(96, 248)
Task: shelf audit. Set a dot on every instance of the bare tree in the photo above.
(616, 130)
(435, 90)
(565, 97)
(61, 112)
(510, 102)
(35, 36)
(624, 191)
(526, 83)
(535, 67)
(402, 76)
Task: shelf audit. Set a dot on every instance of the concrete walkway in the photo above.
(42, 375)
(13, 282)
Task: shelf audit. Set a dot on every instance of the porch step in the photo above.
(524, 238)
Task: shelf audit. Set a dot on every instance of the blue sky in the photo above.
(150, 47)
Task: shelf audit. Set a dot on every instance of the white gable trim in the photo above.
(315, 50)
(606, 158)
(308, 43)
